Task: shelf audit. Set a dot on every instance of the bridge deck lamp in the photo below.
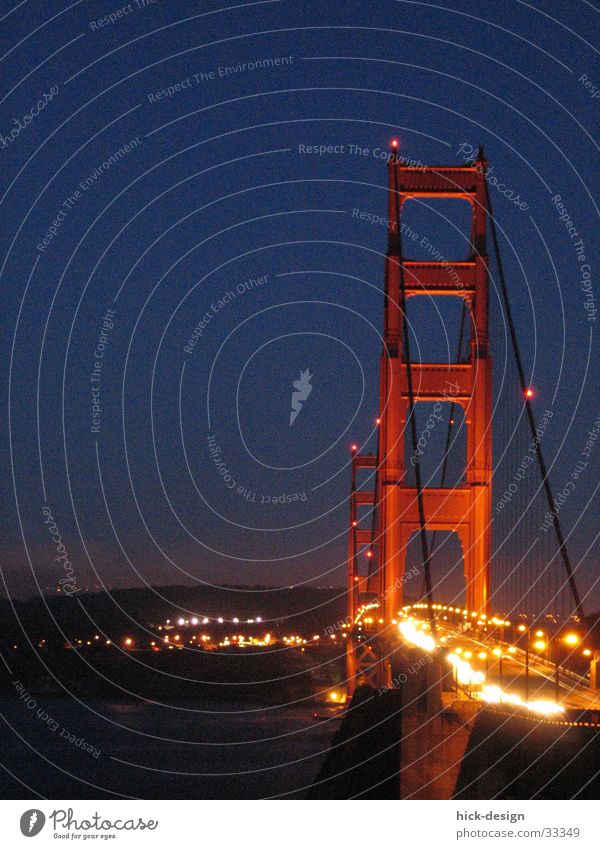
(572, 639)
(540, 645)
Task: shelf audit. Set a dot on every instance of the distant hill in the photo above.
(120, 610)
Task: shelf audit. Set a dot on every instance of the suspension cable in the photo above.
(530, 417)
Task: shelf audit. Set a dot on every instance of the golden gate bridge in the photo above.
(500, 505)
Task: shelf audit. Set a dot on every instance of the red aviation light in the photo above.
(529, 392)
(354, 447)
(394, 144)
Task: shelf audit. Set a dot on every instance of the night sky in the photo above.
(165, 205)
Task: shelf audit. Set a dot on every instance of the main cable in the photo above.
(530, 417)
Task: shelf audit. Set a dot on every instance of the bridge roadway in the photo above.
(508, 671)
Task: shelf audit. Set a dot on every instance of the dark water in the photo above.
(193, 750)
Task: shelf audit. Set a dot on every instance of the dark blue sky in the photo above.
(208, 187)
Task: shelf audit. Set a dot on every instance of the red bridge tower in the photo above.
(464, 509)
